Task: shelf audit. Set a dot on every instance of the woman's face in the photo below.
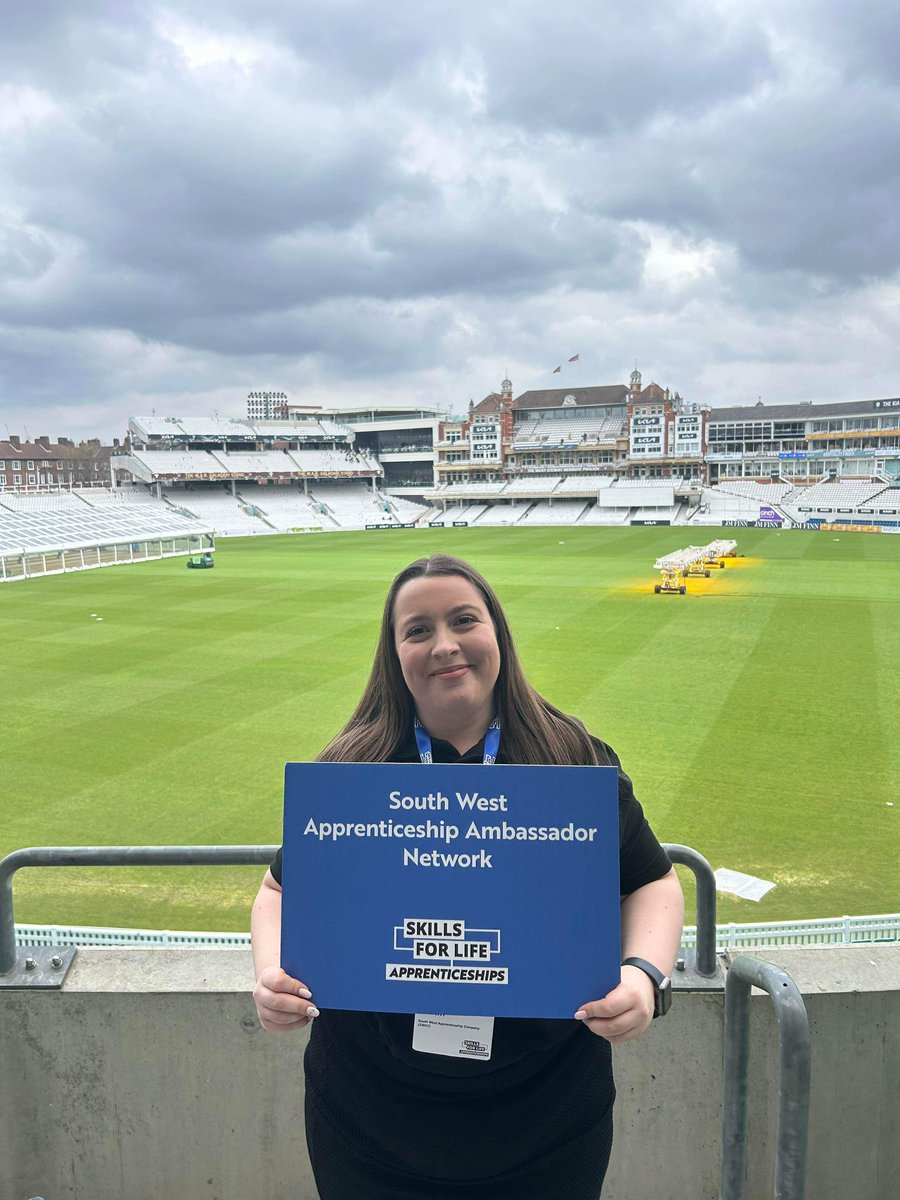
(447, 647)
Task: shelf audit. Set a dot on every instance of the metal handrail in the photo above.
(793, 1084)
(110, 856)
(706, 904)
(156, 856)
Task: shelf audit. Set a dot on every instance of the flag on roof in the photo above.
(556, 370)
(574, 358)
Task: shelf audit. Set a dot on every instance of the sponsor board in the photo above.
(412, 888)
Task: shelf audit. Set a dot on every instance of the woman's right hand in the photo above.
(282, 1003)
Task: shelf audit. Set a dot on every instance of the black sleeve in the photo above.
(641, 858)
(275, 868)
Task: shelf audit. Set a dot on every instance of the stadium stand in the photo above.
(595, 515)
(282, 507)
(465, 512)
(557, 512)
(406, 510)
(316, 462)
(842, 494)
(535, 486)
(351, 505)
(53, 502)
(266, 462)
(669, 513)
(174, 464)
(37, 530)
(763, 493)
(567, 431)
(581, 483)
(104, 497)
(221, 511)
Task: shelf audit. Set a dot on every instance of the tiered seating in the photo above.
(41, 502)
(715, 502)
(764, 493)
(352, 505)
(582, 483)
(502, 514)
(175, 463)
(574, 429)
(406, 510)
(596, 515)
(210, 427)
(318, 462)
(266, 462)
(284, 507)
(559, 512)
(657, 514)
(104, 497)
(217, 509)
(462, 512)
(55, 529)
(464, 490)
(532, 486)
(672, 481)
(843, 494)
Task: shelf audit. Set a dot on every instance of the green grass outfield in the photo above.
(758, 715)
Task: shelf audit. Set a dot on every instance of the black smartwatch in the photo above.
(662, 985)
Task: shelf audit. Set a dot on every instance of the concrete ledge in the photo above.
(148, 1077)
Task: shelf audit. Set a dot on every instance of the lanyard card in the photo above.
(465, 889)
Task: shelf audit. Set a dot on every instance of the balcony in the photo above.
(146, 1076)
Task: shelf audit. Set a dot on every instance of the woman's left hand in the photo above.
(625, 1012)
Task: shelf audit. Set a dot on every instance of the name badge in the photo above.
(455, 1037)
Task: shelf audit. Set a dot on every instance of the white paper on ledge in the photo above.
(748, 887)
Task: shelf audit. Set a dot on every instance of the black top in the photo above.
(389, 1035)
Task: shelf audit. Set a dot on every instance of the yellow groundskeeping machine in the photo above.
(690, 561)
(718, 551)
(675, 568)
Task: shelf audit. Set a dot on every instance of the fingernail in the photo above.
(312, 1011)
(305, 993)
(580, 1015)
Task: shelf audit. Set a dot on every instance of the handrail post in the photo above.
(706, 905)
(794, 1076)
(99, 856)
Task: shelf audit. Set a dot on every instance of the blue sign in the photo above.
(472, 890)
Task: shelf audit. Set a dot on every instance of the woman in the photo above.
(385, 1121)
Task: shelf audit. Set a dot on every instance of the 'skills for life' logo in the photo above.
(445, 951)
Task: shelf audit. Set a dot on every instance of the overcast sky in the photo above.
(349, 200)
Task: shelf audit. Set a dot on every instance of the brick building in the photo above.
(45, 465)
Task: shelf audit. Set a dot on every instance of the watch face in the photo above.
(663, 998)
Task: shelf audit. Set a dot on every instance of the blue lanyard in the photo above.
(491, 742)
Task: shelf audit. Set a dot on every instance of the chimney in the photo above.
(15, 440)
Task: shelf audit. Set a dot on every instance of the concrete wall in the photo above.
(148, 1077)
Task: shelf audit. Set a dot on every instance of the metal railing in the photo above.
(753, 935)
(793, 1083)
(100, 856)
(705, 964)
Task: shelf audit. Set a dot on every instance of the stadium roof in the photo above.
(802, 412)
(615, 393)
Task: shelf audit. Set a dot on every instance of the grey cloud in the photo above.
(592, 71)
(271, 213)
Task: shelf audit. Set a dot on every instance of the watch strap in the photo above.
(662, 984)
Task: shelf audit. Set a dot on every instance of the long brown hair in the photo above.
(533, 730)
